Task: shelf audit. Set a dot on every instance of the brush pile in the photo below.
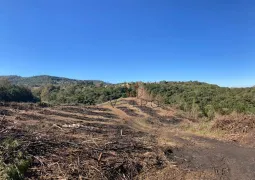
(51, 150)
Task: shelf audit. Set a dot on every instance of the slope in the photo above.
(36, 81)
(120, 140)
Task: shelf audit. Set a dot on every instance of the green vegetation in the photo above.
(63, 91)
(204, 100)
(37, 81)
(9, 92)
(199, 99)
(13, 162)
(84, 93)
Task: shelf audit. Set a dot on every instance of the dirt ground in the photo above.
(128, 141)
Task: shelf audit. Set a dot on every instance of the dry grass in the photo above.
(235, 123)
(204, 129)
(69, 148)
(92, 143)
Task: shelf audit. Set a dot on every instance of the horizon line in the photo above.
(157, 81)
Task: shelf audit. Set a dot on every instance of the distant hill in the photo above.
(37, 81)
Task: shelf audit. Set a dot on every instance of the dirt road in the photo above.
(197, 157)
(209, 157)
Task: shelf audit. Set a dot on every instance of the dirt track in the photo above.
(211, 159)
(199, 157)
(226, 160)
(124, 142)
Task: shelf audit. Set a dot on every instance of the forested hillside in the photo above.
(199, 98)
(57, 90)
(203, 98)
(89, 94)
(37, 81)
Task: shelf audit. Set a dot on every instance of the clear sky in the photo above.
(130, 40)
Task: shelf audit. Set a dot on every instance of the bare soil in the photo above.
(76, 142)
(128, 111)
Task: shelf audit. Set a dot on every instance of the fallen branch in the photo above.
(3, 118)
(99, 157)
(53, 126)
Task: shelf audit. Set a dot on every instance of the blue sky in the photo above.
(130, 40)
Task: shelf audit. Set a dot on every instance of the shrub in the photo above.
(210, 112)
(13, 162)
(10, 92)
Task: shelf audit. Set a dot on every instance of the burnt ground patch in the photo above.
(92, 151)
(91, 108)
(75, 116)
(149, 111)
(132, 102)
(6, 112)
(95, 108)
(29, 116)
(163, 119)
(88, 112)
(169, 120)
(129, 112)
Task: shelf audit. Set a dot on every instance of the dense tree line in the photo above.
(84, 93)
(9, 92)
(38, 81)
(200, 99)
(204, 99)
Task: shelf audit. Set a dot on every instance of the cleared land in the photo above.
(128, 141)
